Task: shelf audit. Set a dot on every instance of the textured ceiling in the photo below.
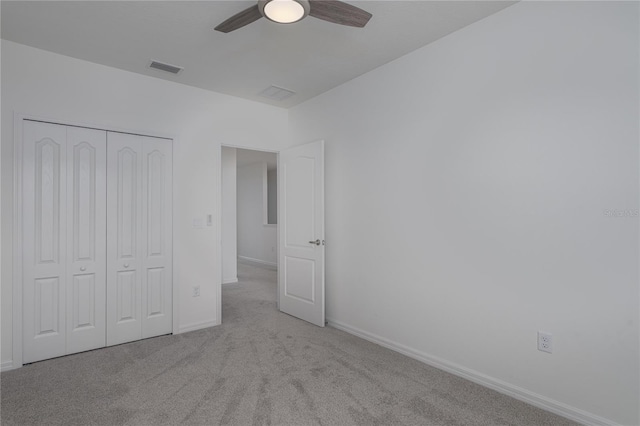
(308, 57)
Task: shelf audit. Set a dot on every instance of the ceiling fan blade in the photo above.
(339, 13)
(239, 20)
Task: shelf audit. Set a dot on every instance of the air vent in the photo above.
(276, 93)
(165, 67)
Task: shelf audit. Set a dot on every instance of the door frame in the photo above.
(16, 297)
(219, 202)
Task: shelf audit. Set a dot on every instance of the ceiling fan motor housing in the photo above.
(304, 3)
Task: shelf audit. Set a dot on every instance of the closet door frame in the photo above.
(17, 237)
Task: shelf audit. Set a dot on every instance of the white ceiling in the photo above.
(245, 157)
(308, 57)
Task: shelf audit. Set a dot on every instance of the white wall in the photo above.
(466, 190)
(272, 196)
(229, 224)
(256, 241)
(65, 89)
(2, 314)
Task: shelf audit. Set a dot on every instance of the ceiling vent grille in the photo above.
(165, 67)
(276, 93)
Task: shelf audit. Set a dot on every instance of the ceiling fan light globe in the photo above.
(284, 11)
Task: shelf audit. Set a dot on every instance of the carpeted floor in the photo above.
(260, 367)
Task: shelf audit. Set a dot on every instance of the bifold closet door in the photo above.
(63, 240)
(44, 184)
(124, 224)
(139, 240)
(157, 237)
(86, 242)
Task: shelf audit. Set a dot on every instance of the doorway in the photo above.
(249, 216)
(300, 243)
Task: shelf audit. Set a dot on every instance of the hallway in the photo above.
(256, 289)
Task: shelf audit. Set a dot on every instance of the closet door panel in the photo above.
(157, 237)
(124, 236)
(86, 241)
(44, 243)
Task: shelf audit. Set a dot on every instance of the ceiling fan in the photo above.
(290, 11)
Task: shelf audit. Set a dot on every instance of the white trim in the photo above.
(16, 301)
(218, 284)
(6, 366)
(175, 317)
(251, 148)
(96, 126)
(230, 281)
(498, 385)
(197, 326)
(16, 296)
(279, 219)
(258, 262)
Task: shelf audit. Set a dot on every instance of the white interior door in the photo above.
(44, 240)
(157, 275)
(124, 226)
(301, 224)
(86, 239)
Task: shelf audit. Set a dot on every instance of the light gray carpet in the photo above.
(260, 367)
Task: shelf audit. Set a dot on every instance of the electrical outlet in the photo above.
(196, 291)
(545, 342)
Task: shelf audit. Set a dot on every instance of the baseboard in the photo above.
(230, 281)
(258, 262)
(516, 392)
(197, 326)
(6, 366)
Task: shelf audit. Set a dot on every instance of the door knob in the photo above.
(316, 242)
(83, 268)
(126, 265)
